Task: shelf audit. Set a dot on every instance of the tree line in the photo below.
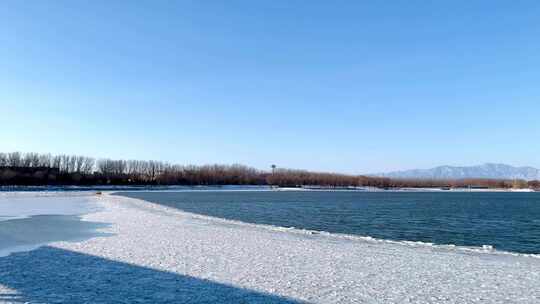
(288, 177)
(46, 169)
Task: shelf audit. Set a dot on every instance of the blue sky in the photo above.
(346, 86)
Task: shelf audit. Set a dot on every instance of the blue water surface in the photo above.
(506, 221)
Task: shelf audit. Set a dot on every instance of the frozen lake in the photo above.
(28, 220)
(157, 254)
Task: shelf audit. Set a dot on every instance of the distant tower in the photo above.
(272, 180)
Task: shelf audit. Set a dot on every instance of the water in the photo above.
(506, 221)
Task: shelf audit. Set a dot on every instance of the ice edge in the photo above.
(485, 249)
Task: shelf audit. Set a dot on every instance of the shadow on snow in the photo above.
(52, 275)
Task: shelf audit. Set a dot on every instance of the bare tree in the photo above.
(45, 160)
(14, 159)
(88, 165)
(56, 162)
(3, 160)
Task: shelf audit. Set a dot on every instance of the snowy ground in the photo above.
(161, 255)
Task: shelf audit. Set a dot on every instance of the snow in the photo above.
(24, 204)
(161, 255)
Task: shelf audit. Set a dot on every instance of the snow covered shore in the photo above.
(161, 255)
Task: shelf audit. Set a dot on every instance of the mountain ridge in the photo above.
(487, 170)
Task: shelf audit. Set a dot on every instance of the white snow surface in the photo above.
(246, 263)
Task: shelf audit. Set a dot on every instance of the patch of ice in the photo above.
(24, 204)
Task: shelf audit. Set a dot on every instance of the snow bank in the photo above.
(248, 263)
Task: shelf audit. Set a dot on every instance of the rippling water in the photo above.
(506, 221)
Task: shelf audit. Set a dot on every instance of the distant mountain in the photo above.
(497, 171)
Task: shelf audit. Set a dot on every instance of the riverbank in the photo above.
(155, 254)
(4, 190)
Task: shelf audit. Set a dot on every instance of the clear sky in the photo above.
(345, 86)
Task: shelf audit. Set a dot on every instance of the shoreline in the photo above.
(87, 194)
(43, 190)
(484, 249)
(248, 261)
